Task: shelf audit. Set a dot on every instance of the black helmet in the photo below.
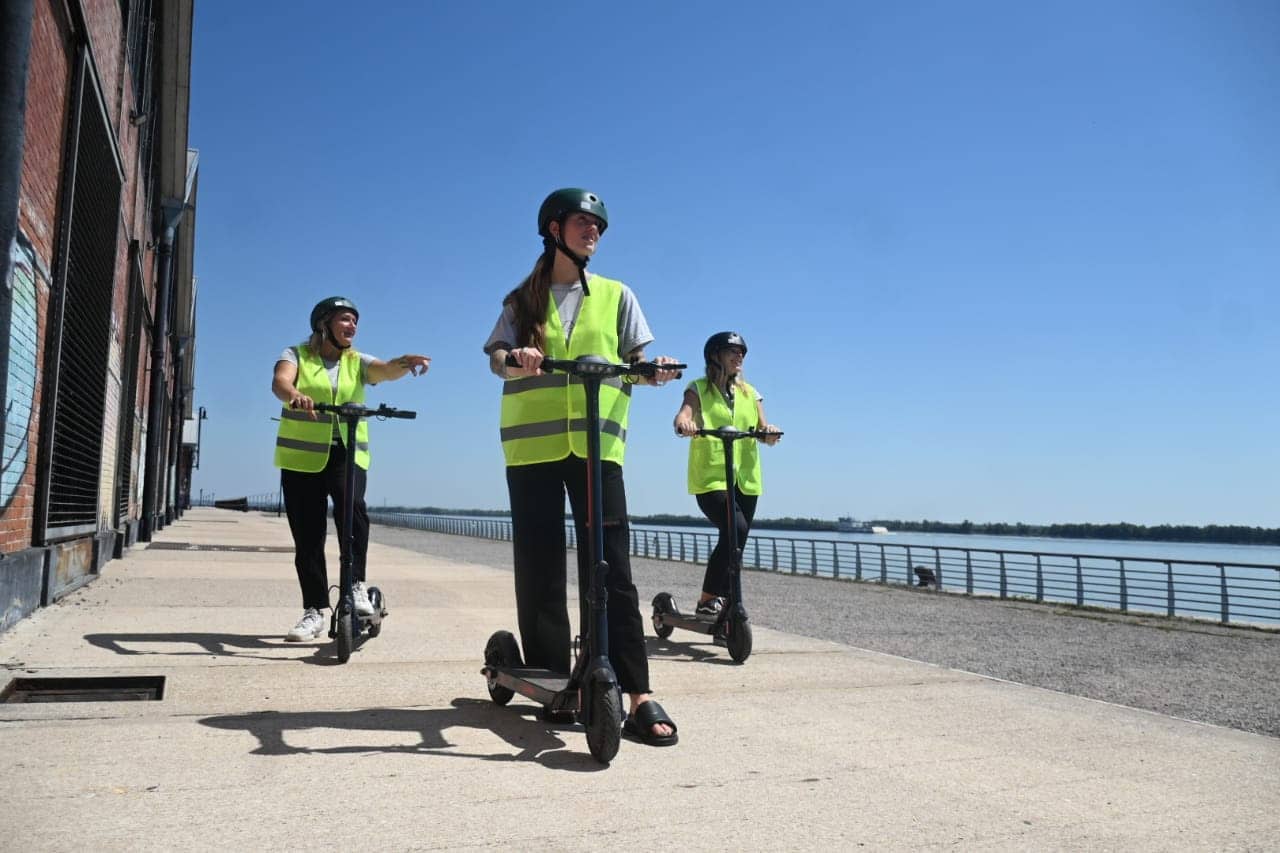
(327, 307)
(570, 200)
(719, 341)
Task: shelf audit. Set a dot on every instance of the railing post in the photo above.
(682, 546)
(757, 544)
(1039, 580)
(835, 559)
(968, 571)
(775, 554)
(1222, 581)
(884, 567)
(793, 556)
(813, 557)
(937, 566)
(857, 561)
(1124, 589)
(695, 547)
(909, 565)
(1004, 581)
(1079, 584)
(1170, 607)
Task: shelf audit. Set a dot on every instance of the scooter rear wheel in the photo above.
(604, 733)
(739, 640)
(375, 598)
(663, 605)
(501, 652)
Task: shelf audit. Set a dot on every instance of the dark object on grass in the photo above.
(925, 576)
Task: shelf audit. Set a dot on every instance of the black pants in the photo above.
(537, 523)
(712, 504)
(306, 502)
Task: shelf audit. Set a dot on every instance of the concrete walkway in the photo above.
(259, 744)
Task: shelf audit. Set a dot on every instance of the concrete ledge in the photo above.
(21, 585)
(70, 566)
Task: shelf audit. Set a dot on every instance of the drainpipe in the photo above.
(15, 48)
(153, 485)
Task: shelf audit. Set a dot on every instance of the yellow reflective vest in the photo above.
(302, 444)
(706, 454)
(544, 418)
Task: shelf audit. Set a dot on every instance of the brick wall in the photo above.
(49, 88)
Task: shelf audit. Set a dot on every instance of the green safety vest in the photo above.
(706, 453)
(303, 444)
(544, 418)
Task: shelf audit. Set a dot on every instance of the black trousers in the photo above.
(306, 502)
(712, 504)
(537, 522)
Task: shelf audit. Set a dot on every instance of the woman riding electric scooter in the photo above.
(560, 311)
(311, 450)
(723, 398)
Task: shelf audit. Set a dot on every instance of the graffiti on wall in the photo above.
(18, 308)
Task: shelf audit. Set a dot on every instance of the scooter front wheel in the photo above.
(344, 637)
(738, 640)
(604, 732)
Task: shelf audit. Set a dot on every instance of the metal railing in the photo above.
(1221, 591)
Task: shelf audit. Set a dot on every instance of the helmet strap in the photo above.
(577, 259)
(328, 335)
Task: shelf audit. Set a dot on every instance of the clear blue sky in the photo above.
(993, 260)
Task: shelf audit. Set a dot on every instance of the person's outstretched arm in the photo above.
(389, 371)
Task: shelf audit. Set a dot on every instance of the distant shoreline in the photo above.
(1221, 534)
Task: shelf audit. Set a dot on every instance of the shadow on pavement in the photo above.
(668, 650)
(218, 645)
(534, 739)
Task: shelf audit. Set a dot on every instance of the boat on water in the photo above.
(849, 524)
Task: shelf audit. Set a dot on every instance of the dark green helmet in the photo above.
(569, 200)
(326, 308)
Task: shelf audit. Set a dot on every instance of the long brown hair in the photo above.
(715, 373)
(529, 302)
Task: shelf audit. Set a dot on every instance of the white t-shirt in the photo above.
(290, 355)
(633, 329)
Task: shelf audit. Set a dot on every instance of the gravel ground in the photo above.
(1185, 668)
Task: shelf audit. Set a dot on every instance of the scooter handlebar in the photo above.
(728, 433)
(594, 365)
(348, 410)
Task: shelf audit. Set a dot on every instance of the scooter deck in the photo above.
(540, 685)
(702, 624)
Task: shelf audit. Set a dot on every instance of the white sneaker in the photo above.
(360, 593)
(310, 626)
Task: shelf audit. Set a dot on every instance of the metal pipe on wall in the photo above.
(153, 487)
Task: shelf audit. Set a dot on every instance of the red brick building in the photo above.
(97, 314)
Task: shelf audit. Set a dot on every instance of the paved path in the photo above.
(810, 745)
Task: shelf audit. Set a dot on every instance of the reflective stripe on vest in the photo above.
(303, 444)
(544, 418)
(706, 454)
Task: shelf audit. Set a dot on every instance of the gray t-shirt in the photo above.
(633, 329)
(290, 355)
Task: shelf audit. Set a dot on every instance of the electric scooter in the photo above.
(590, 693)
(345, 625)
(731, 625)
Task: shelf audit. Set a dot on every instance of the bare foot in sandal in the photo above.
(649, 723)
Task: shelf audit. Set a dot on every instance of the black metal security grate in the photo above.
(87, 280)
(124, 688)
